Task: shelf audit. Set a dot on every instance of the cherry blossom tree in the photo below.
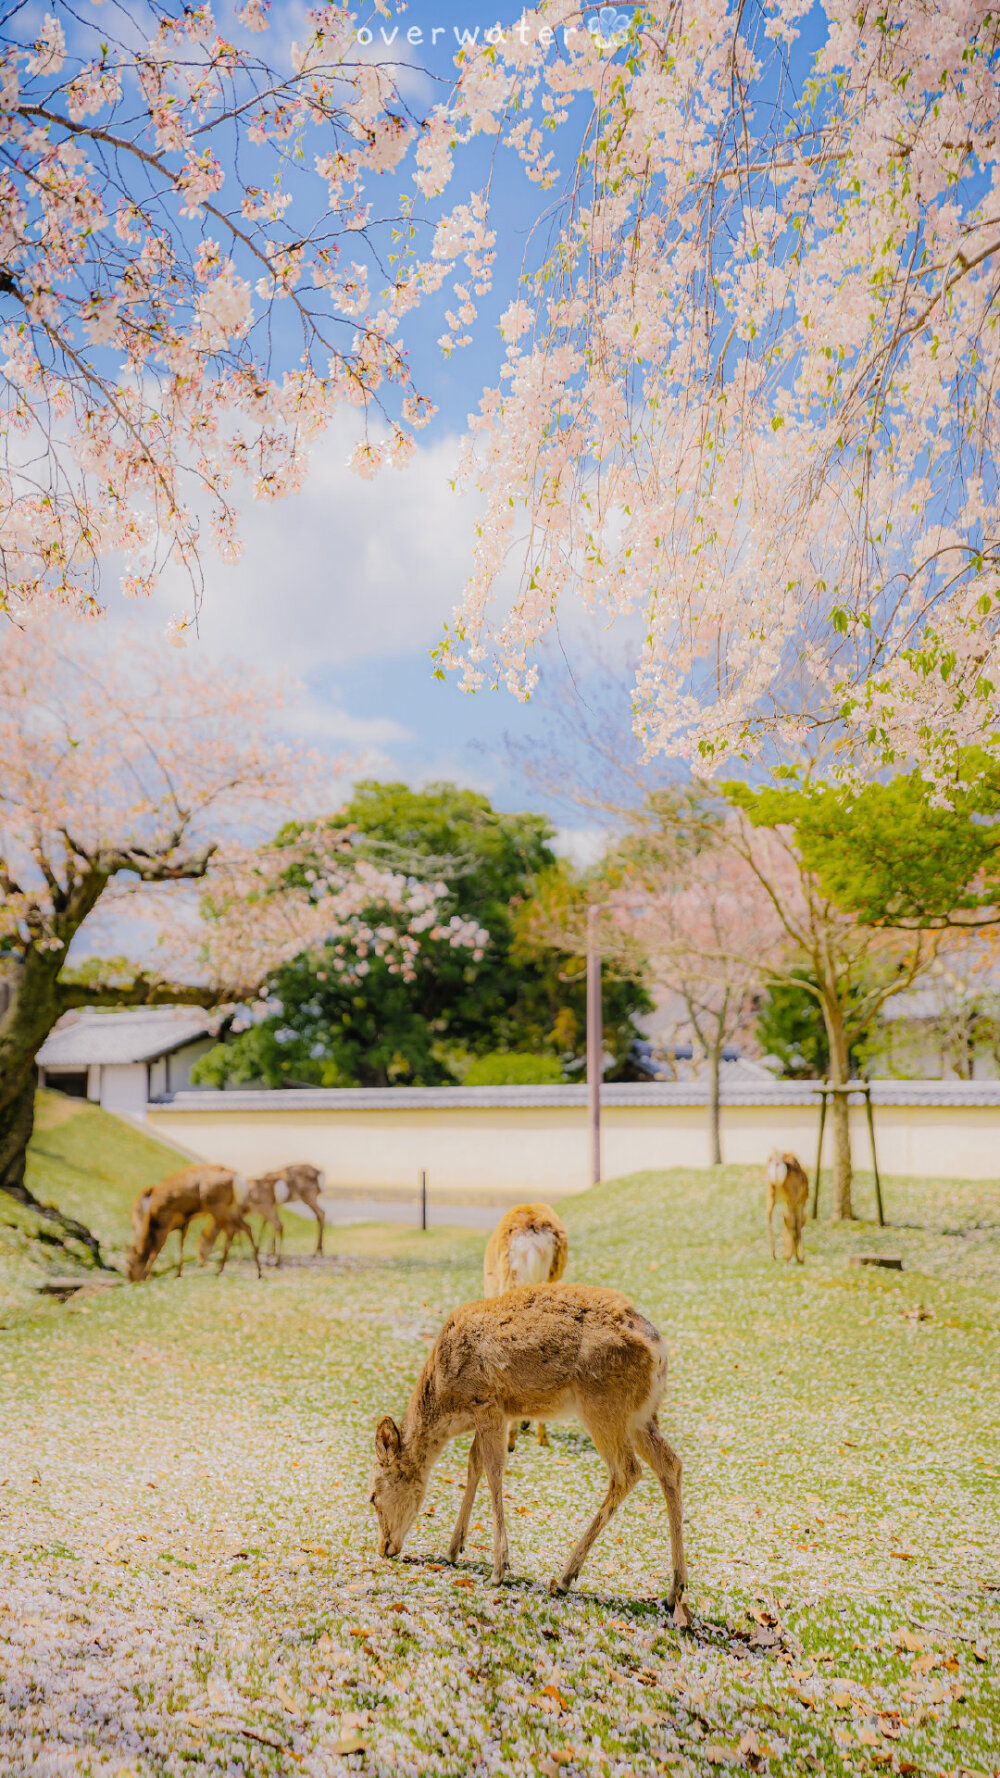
(194, 276)
(714, 899)
(851, 968)
(145, 775)
(709, 934)
(750, 379)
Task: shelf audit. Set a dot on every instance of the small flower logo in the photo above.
(610, 27)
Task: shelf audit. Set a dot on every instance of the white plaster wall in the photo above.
(507, 1153)
(124, 1087)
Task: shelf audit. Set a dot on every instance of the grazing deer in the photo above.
(528, 1246)
(173, 1204)
(303, 1183)
(262, 1196)
(543, 1351)
(139, 1210)
(786, 1180)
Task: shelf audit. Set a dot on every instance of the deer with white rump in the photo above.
(264, 1195)
(788, 1185)
(550, 1352)
(528, 1246)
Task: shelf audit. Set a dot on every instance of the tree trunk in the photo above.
(840, 1117)
(714, 1123)
(33, 1006)
(17, 1119)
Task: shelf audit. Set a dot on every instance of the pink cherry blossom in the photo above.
(758, 402)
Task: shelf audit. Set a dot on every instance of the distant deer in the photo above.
(787, 1182)
(173, 1204)
(545, 1352)
(262, 1196)
(528, 1246)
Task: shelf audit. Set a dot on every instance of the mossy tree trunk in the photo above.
(34, 1003)
(35, 997)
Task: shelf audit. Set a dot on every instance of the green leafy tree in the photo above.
(896, 854)
(512, 1068)
(384, 1029)
(850, 965)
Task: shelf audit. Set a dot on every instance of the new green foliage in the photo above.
(897, 853)
(380, 1028)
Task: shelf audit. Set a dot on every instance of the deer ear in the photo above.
(386, 1439)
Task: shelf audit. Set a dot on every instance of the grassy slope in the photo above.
(92, 1166)
(195, 1558)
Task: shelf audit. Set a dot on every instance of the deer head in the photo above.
(397, 1489)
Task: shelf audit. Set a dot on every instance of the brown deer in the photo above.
(787, 1182)
(546, 1352)
(528, 1246)
(263, 1195)
(173, 1204)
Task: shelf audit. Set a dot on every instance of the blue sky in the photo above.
(347, 585)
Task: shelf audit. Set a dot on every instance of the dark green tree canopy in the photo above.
(381, 1029)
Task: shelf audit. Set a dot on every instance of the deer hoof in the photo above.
(559, 1588)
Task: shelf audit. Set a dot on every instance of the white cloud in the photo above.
(582, 846)
(347, 570)
(315, 719)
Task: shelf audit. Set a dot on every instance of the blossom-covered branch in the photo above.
(188, 238)
(144, 775)
(750, 387)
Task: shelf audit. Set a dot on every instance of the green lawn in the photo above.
(93, 1167)
(189, 1571)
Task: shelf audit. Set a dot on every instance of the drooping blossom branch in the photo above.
(195, 275)
(750, 385)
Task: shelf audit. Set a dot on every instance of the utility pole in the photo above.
(595, 1043)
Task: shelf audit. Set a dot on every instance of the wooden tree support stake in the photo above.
(864, 1087)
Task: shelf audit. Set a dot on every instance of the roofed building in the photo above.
(121, 1060)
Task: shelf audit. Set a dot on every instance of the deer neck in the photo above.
(425, 1430)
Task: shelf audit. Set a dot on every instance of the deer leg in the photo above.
(207, 1243)
(320, 1225)
(156, 1248)
(770, 1214)
(181, 1232)
(542, 1432)
(472, 1480)
(276, 1233)
(789, 1232)
(243, 1224)
(511, 1435)
(230, 1232)
(623, 1473)
(490, 1439)
(666, 1466)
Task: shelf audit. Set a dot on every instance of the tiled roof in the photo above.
(138, 1035)
(954, 1093)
